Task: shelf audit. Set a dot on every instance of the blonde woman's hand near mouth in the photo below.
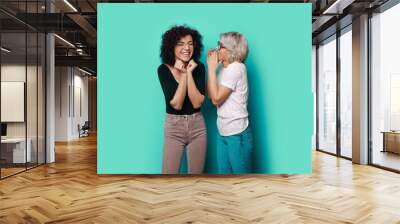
(212, 60)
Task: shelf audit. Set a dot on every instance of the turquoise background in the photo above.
(131, 107)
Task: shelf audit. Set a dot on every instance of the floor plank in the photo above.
(70, 191)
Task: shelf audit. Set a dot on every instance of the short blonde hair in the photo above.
(236, 44)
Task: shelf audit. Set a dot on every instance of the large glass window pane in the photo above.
(327, 96)
(346, 94)
(14, 150)
(22, 88)
(385, 89)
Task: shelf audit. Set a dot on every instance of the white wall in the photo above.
(62, 81)
(16, 72)
(79, 117)
(71, 93)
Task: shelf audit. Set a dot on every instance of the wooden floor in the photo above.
(70, 191)
(5, 172)
(387, 159)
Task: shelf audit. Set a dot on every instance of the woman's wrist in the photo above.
(184, 75)
(211, 70)
(213, 66)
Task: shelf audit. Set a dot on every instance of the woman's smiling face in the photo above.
(184, 49)
(222, 53)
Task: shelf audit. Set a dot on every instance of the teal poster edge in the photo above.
(131, 107)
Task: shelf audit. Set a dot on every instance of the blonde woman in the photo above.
(229, 92)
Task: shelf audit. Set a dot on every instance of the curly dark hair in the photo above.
(171, 37)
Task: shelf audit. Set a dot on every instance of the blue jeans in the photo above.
(234, 153)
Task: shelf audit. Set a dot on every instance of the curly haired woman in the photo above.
(182, 78)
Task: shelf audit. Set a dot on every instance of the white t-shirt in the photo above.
(232, 114)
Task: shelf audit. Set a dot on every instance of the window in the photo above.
(346, 93)
(327, 95)
(385, 88)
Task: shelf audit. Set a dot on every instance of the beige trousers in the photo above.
(181, 131)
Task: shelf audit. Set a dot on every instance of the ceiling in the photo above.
(76, 22)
